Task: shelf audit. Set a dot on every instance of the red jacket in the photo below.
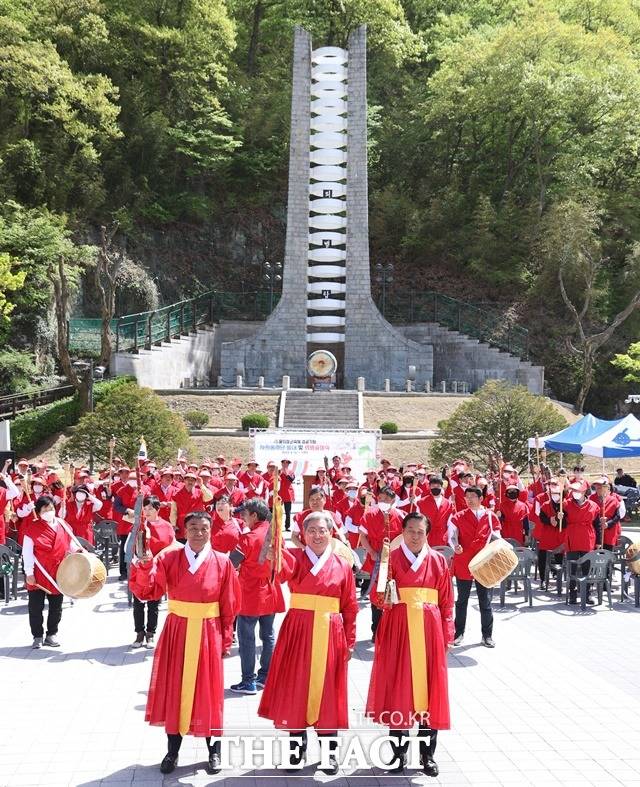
(438, 516)
(613, 528)
(473, 535)
(580, 525)
(236, 496)
(261, 595)
(50, 547)
(514, 519)
(254, 485)
(125, 496)
(373, 527)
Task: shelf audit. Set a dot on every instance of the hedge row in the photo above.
(31, 429)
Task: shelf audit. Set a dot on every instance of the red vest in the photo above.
(611, 506)
(49, 548)
(473, 535)
(439, 518)
(548, 536)
(513, 513)
(81, 522)
(579, 533)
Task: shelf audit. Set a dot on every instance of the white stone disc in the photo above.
(327, 206)
(333, 173)
(327, 255)
(319, 238)
(325, 321)
(329, 90)
(327, 222)
(331, 156)
(328, 139)
(330, 53)
(316, 287)
(325, 304)
(325, 338)
(329, 105)
(337, 189)
(328, 123)
(326, 271)
(335, 72)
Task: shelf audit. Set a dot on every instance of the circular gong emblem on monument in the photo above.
(321, 366)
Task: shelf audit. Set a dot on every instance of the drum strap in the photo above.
(47, 575)
(71, 534)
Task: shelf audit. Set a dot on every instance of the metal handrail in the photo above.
(134, 332)
(14, 404)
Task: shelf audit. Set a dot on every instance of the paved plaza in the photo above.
(554, 703)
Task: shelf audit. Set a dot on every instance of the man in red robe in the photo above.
(378, 522)
(583, 531)
(187, 687)
(261, 599)
(232, 490)
(612, 512)
(470, 530)
(514, 515)
(46, 542)
(351, 512)
(190, 497)
(287, 492)
(159, 535)
(252, 483)
(438, 509)
(307, 682)
(409, 675)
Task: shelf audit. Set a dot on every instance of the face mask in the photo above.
(352, 493)
(577, 497)
(384, 506)
(555, 498)
(48, 516)
(512, 495)
(116, 478)
(37, 488)
(464, 486)
(506, 478)
(132, 483)
(91, 487)
(81, 497)
(436, 490)
(408, 486)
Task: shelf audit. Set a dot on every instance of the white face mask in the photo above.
(115, 478)
(352, 494)
(91, 487)
(555, 497)
(384, 506)
(37, 488)
(577, 496)
(132, 483)
(48, 516)
(81, 497)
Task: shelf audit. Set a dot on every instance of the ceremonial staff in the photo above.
(137, 540)
(273, 539)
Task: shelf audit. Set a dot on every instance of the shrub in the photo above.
(127, 412)
(498, 419)
(31, 429)
(389, 427)
(254, 421)
(196, 418)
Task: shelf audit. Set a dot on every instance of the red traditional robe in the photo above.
(579, 532)
(286, 696)
(50, 547)
(287, 493)
(215, 580)
(438, 516)
(352, 512)
(186, 502)
(549, 537)
(392, 700)
(514, 512)
(610, 504)
(373, 527)
(225, 535)
(261, 595)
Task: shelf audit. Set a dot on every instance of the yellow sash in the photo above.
(322, 607)
(195, 613)
(415, 599)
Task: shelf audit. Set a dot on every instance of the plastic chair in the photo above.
(107, 541)
(86, 544)
(599, 567)
(636, 582)
(620, 562)
(446, 551)
(521, 572)
(9, 566)
(13, 546)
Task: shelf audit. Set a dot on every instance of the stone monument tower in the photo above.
(326, 294)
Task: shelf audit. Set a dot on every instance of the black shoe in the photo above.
(488, 642)
(429, 766)
(591, 601)
(398, 764)
(298, 753)
(573, 599)
(458, 639)
(214, 762)
(543, 586)
(332, 769)
(168, 765)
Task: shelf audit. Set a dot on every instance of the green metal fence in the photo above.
(136, 331)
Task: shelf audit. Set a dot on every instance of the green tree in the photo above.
(9, 283)
(128, 412)
(498, 419)
(629, 362)
(17, 370)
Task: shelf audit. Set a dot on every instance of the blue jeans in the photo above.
(247, 645)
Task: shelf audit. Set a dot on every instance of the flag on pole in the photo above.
(142, 453)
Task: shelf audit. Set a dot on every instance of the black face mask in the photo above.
(435, 490)
(512, 495)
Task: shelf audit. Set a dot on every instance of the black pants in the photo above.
(123, 565)
(152, 616)
(175, 741)
(484, 600)
(287, 514)
(36, 610)
(399, 747)
(572, 557)
(376, 615)
(608, 547)
(542, 561)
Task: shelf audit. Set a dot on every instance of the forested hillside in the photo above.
(504, 144)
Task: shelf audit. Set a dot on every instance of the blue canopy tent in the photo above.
(572, 438)
(621, 440)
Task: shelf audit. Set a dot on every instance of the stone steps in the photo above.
(321, 410)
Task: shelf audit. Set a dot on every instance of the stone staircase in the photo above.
(321, 410)
(459, 357)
